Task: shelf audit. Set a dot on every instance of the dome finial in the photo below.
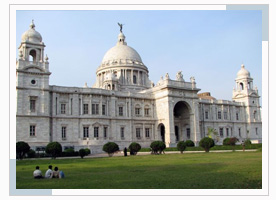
(32, 25)
(242, 66)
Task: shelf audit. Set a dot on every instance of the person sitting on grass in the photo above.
(56, 173)
(61, 174)
(37, 173)
(49, 172)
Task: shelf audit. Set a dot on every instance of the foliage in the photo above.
(31, 154)
(69, 152)
(157, 146)
(21, 149)
(82, 153)
(87, 151)
(189, 143)
(54, 149)
(206, 143)
(110, 148)
(217, 147)
(181, 146)
(226, 141)
(247, 142)
(233, 141)
(134, 148)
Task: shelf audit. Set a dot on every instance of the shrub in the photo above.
(247, 142)
(110, 148)
(157, 146)
(226, 141)
(54, 149)
(21, 149)
(206, 143)
(69, 152)
(87, 151)
(31, 154)
(189, 143)
(232, 141)
(181, 146)
(82, 153)
(134, 148)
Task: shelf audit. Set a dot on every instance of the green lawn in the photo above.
(231, 170)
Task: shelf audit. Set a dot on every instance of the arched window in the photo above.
(32, 56)
(241, 86)
(134, 79)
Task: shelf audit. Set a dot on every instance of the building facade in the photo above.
(123, 105)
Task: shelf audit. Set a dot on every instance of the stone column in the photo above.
(138, 77)
(131, 78)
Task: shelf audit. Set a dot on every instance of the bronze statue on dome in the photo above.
(121, 27)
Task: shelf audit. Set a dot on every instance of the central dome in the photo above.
(121, 52)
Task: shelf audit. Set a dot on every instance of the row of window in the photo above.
(95, 110)
(225, 115)
(221, 132)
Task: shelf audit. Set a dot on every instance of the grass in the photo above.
(231, 170)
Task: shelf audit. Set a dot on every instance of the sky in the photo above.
(208, 45)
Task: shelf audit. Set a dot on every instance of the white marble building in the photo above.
(124, 105)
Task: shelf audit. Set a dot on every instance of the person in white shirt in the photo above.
(37, 173)
(49, 172)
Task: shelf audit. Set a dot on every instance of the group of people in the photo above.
(49, 173)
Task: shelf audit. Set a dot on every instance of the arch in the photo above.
(241, 86)
(182, 120)
(180, 108)
(161, 131)
(32, 55)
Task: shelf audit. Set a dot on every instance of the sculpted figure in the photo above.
(121, 27)
(179, 76)
(167, 76)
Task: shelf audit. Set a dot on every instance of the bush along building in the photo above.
(124, 106)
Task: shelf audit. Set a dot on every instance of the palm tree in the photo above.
(212, 131)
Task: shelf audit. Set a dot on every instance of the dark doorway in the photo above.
(176, 133)
(162, 131)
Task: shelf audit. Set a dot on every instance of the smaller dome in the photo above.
(31, 35)
(243, 72)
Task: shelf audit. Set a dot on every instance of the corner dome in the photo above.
(31, 35)
(121, 52)
(243, 72)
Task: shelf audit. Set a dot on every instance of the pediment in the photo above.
(96, 124)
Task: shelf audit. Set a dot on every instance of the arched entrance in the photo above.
(161, 131)
(181, 113)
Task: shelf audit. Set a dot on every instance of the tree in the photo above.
(110, 148)
(82, 153)
(181, 146)
(87, 151)
(157, 146)
(206, 143)
(21, 149)
(212, 133)
(134, 148)
(189, 143)
(226, 141)
(54, 149)
(247, 142)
